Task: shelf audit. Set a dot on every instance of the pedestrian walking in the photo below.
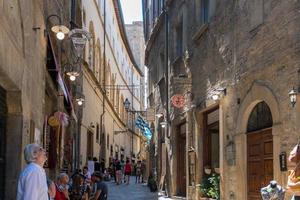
(102, 165)
(138, 172)
(127, 171)
(62, 187)
(101, 187)
(97, 166)
(118, 172)
(87, 175)
(122, 177)
(32, 182)
(143, 171)
(91, 165)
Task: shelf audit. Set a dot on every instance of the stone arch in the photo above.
(257, 93)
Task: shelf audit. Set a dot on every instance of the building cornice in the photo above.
(119, 15)
(155, 31)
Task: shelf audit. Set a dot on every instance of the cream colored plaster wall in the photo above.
(118, 61)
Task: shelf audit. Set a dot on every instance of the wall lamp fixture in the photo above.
(163, 124)
(59, 30)
(217, 93)
(126, 104)
(293, 96)
(73, 71)
(159, 115)
(80, 101)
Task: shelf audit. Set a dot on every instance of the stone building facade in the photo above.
(31, 92)
(238, 60)
(110, 76)
(136, 40)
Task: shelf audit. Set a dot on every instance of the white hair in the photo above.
(30, 152)
(62, 175)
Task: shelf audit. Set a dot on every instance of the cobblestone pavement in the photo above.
(132, 191)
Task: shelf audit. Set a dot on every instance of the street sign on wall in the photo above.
(150, 114)
(178, 100)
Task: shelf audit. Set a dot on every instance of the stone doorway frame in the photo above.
(257, 93)
(16, 134)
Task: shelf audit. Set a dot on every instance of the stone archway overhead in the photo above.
(257, 93)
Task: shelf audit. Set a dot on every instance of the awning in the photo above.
(61, 82)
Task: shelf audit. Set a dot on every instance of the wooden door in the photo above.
(260, 161)
(3, 113)
(181, 161)
(90, 144)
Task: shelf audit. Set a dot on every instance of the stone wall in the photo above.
(251, 48)
(22, 68)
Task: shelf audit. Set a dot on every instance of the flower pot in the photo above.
(207, 171)
(217, 170)
(206, 198)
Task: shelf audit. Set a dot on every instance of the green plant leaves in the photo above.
(210, 186)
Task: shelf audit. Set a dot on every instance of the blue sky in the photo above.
(132, 10)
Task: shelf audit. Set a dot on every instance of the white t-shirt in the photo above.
(32, 183)
(87, 175)
(91, 166)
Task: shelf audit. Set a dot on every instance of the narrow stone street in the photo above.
(132, 191)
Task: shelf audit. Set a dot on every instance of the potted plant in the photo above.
(152, 183)
(210, 187)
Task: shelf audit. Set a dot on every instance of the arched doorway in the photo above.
(259, 150)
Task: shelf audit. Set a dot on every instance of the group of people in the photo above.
(122, 171)
(33, 183)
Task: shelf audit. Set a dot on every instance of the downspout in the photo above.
(167, 66)
(132, 114)
(73, 14)
(168, 173)
(77, 125)
(103, 80)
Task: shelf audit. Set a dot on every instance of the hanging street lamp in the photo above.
(60, 30)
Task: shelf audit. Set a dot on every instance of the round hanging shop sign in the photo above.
(53, 121)
(178, 100)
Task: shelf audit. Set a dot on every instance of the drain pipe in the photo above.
(103, 80)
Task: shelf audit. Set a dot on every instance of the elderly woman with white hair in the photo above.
(32, 183)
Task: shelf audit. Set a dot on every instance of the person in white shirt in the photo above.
(32, 184)
(87, 175)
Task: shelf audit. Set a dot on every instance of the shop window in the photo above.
(211, 139)
(260, 118)
(90, 143)
(51, 66)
